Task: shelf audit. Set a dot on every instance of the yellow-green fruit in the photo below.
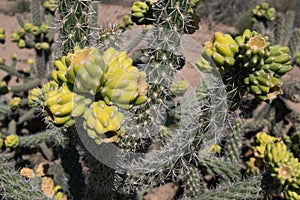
(2, 31)
(262, 138)
(124, 85)
(103, 123)
(86, 70)
(59, 75)
(21, 44)
(11, 141)
(44, 28)
(15, 103)
(34, 96)
(14, 37)
(222, 49)
(253, 166)
(64, 105)
(276, 153)
(291, 194)
(139, 13)
(21, 32)
(35, 30)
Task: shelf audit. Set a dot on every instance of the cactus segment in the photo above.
(103, 123)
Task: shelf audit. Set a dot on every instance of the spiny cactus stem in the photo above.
(11, 71)
(26, 116)
(26, 86)
(27, 141)
(5, 110)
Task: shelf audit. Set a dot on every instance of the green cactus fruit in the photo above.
(291, 194)
(124, 85)
(253, 166)
(14, 37)
(253, 48)
(222, 49)
(263, 12)
(287, 172)
(44, 28)
(263, 85)
(103, 123)
(276, 153)
(65, 105)
(28, 26)
(12, 141)
(50, 5)
(35, 30)
(21, 44)
(279, 60)
(15, 103)
(261, 139)
(140, 13)
(59, 75)
(86, 70)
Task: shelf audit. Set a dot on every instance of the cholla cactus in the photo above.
(250, 64)
(271, 153)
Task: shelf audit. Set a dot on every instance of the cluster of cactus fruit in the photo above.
(256, 65)
(272, 154)
(95, 87)
(263, 12)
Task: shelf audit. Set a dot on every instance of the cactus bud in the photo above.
(21, 44)
(15, 103)
(14, 37)
(11, 141)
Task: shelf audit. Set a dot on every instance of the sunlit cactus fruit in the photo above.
(28, 27)
(21, 44)
(124, 85)
(252, 166)
(277, 152)
(290, 194)
(279, 60)
(14, 37)
(222, 49)
(15, 103)
(64, 105)
(262, 139)
(12, 141)
(263, 12)
(140, 12)
(263, 85)
(253, 48)
(59, 75)
(50, 5)
(44, 28)
(86, 70)
(103, 123)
